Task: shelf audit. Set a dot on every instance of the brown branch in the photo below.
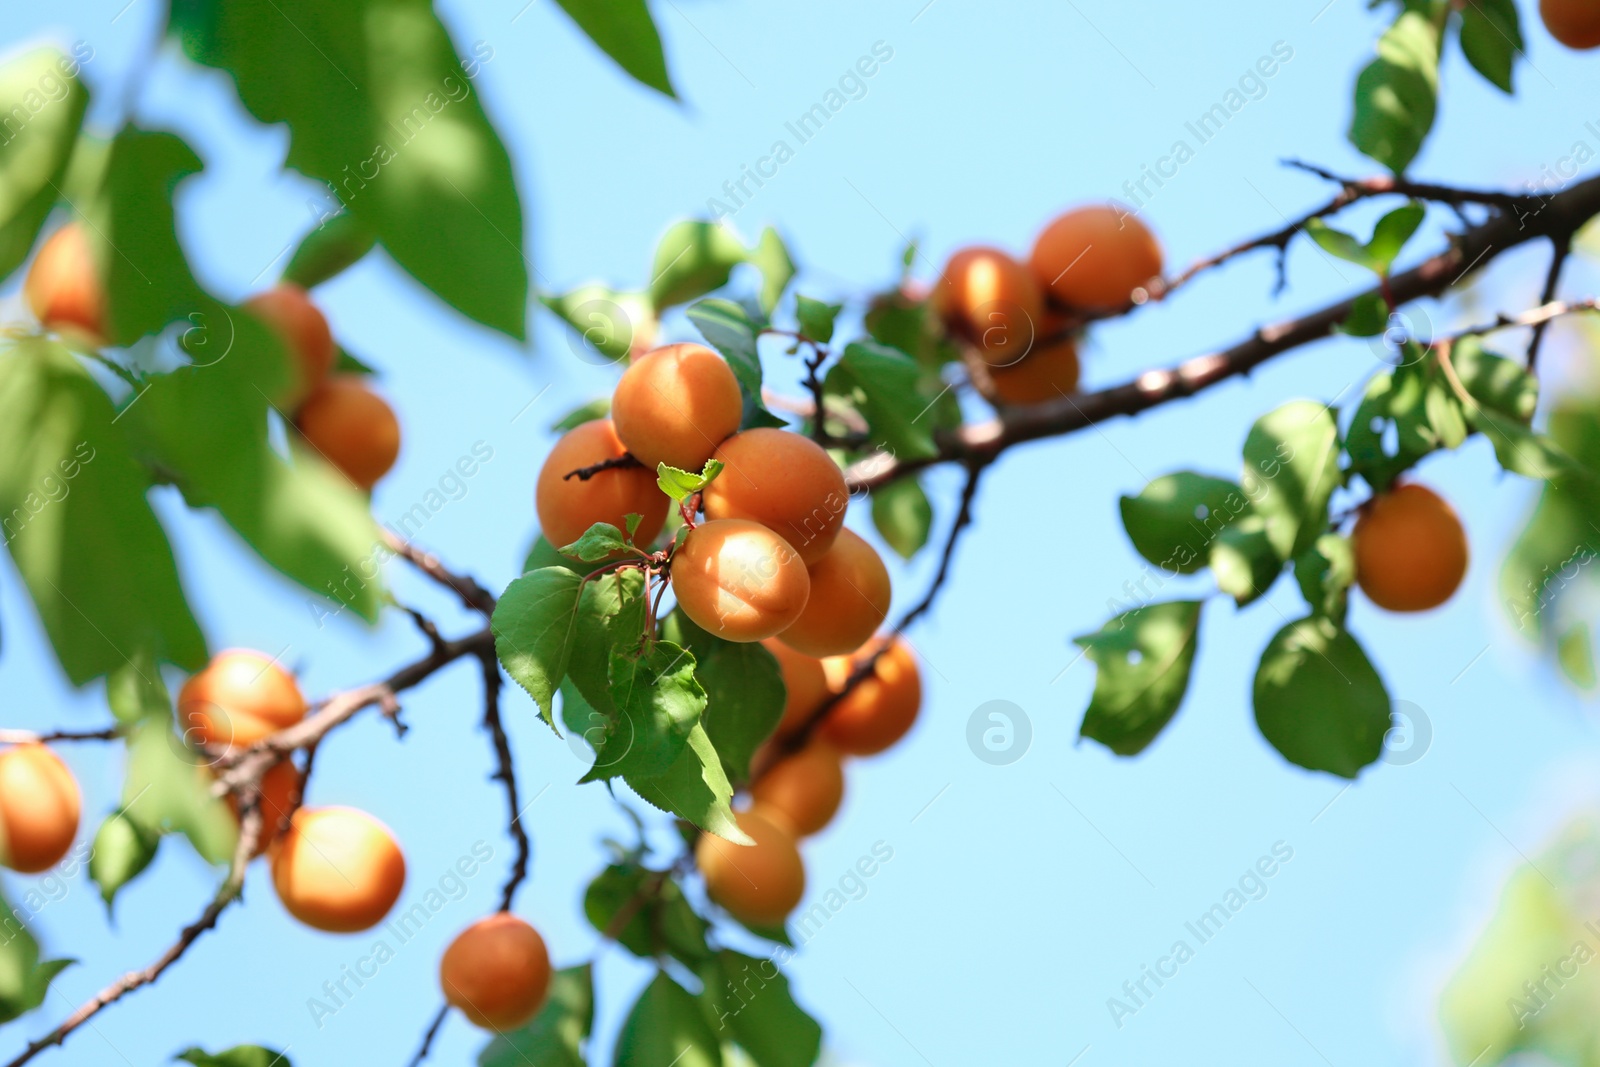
(622, 462)
(472, 594)
(30, 737)
(432, 1032)
(1560, 248)
(506, 774)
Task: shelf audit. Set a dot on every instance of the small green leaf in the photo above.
(1369, 316)
(886, 386)
(1244, 561)
(556, 1036)
(535, 628)
(543, 554)
(625, 31)
(816, 318)
(1291, 466)
(168, 790)
(333, 247)
(1338, 243)
(24, 980)
(1318, 699)
(1500, 384)
(693, 259)
(666, 1026)
(1325, 572)
(658, 702)
(1174, 519)
(903, 516)
(1394, 400)
(728, 328)
(744, 691)
(1575, 654)
(1392, 232)
(1143, 659)
(663, 922)
(35, 153)
(597, 408)
(345, 363)
(606, 320)
(599, 542)
(122, 850)
(238, 1056)
(1491, 39)
(1396, 96)
(771, 257)
(633, 519)
(751, 997)
(694, 788)
(681, 485)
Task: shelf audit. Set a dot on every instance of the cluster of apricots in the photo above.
(337, 414)
(1017, 317)
(1410, 549)
(1575, 23)
(339, 869)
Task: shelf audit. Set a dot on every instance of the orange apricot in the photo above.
(1049, 372)
(675, 405)
(497, 971)
(39, 808)
(63, 287)
(879, 710)
(849, 599)
(352, 427)
(237, 699)
(785, 482)
(569, 506)
(759, 884)
(337, 869)
(304, 331)
(1410, 549)
(739, 580)
(804, 790)
(987, 297)
(1094, 257)
(805, 685)
(1575, 23)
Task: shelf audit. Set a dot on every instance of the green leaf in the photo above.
(693, 259)
(123, 848)
(1491, 39)
(74, 516)
(24, 980)
(535, 628)
(666, 1026)
(694, 788)
(608, 321)
(1244, 560)
(728, 328)
(1340, 244)
(1369, 316)
(1392, 232)
(598, 408)
(1325, 572)
(1500, 384)
(664, 921)
(681, 485)
(1174, 519)
(610, 613)
(816, 318)
(744, 691)
(771, 257)
(625, 31)
(34, 157)
(599, 542)
(1143, 658)
(1575, 654)
(1397, 94)
(337, 244)
(238, 1056)
(556, 1036)
(658, 702)
(167, 788)
(1394, 399)
(886, 387)
(751, 997)
(1318, 699)
(1291, 466)
(903, 516)
(382, 109)
(345, 363)
(1522, 451)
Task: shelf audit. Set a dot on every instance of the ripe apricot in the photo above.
(739, 580)
(237, 699)
(878, 711)
(497, 971)
(569, 506)
(759, 884)
(63, 287)
(1575, 23)
(804, 790)
(991, 300)
(675, 405)
(1094, 257)
(304, 331)
(353, 428)
(337, 869)
(805, 685)
(278, 788)
(1410, 549)
(1049, 372)
(785, 482)
(39, 808)
(849, 599)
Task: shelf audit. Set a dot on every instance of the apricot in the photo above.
(675, 405)
(63, 287)
(497, 971)
(278, 789)
(237, 699)
(849, 599)
(1049, 372)
(337, 869)
(1575, 23)
(353, 428)
(878, 711)
(758, 884)
(1410, 549)
(569, 506)
(739, 580)
(1092, 258)
(805, 685)
(39, 808)
(991, 300)
(785, 482)
(802, 791)
(304, 331)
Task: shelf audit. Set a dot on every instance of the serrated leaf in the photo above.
(611, 614)
(1318, 699)
(624, 30)
(744, 691)
(903, 516)
(556, 1036)
(599, 542)
(751, 997)
(1491, 39)
(1142, 658)
(658, 703)
(694, 788)
(337, 244)
(1396, 96)
(1174, 519)
(1291, 466)
(692, 259)
(816, 318)
(666, 1026)
(885, 385)
(535, 628)
(123, 849)
(34, 157)
(680, 485)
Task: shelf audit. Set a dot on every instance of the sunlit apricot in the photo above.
(803, 791)
(1049, 372)
(304, 330)
(1575, 23)
(39, 808)
(759, 884)
(849, 599)
(987, 297)
(1410, 549)
(497, 972)
(352, 427)
(739, 580)
(675, 405)
(1094, 257)
(785, 482)
(337, 869)
(64, 289)
(881, 708)
(237, 699)
(805, 685)
(569, 506)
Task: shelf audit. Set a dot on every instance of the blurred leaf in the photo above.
(1392, 232)
(695, 788)
(666, 1026)
(238, 1056)
(1397, 94)
(1142, 658)
(1491, 39)
(693, 259)
(662, 919)
(1243, 560)
(599, 542)
(816, 318)
(1291, 466)
(1325, 572)
(33, 158)
(607, 320)
(598, 408)
(1500, 384)
(345, 363)
(658, 703)
(1575, 654)
(334, 246)
(681, 485)
(1522, 451)
(625, 31)
(728, 328)
(1174, 519)
(1338, 243)
(744, 691)
(535, 628)
(556, 1036)
(122, 850)
(751, 997)
(1318, 699)
(885, 386)
(24, 980)
(1369, 316)
(903, 516)
(1394, 400)
(771, 257)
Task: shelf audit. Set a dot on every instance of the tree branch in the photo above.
(1560, 248)
(507, 775)
(432, 1032)
(29, 737)
(622, 462)
(473, 595)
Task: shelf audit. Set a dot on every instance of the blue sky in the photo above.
(1019, 898)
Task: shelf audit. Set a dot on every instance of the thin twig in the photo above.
(29, 737)
(432, 1032)
(506, 774)
(1560, 248)
(472, 594)
(622, 462)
